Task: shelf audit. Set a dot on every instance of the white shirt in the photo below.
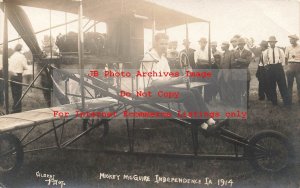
(17, 63)
(201, 55)
(161, 66)
(261, 59)
(293, 53)
(279, 56)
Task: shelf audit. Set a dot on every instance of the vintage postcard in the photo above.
(150, 93)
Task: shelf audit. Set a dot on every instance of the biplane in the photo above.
(266, 151)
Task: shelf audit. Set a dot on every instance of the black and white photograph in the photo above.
(150, 93)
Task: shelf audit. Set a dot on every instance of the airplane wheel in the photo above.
(11, 154)
(270, 151)
(103, 127)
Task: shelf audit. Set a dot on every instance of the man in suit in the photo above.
(189, 52)
(261, 74)
(240, 64)
(224, 75)
(274, 59)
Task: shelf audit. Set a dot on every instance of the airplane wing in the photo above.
(104, 10)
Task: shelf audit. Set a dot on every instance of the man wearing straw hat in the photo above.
(292, 54)
(274, 60)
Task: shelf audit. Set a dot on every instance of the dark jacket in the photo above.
(225, 73)
(190, 54)
(240, 65)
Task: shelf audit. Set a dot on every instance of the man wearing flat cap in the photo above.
(261, 73)
(274, 60)
(241, 73)
(292, 54)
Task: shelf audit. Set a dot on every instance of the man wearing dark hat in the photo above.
(224, 75)
(240, 64)
(261, 73)
(17, 65)
(274, 59)
(292, 54)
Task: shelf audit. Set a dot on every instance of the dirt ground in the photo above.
(83, 168)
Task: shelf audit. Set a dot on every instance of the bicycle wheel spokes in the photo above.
(270, 153)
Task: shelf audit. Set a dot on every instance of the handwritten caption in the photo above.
(50, 179)
(157, 179)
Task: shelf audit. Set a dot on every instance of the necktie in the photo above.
(273, 56)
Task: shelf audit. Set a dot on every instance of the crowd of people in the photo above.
(231, 67)
(233, 76)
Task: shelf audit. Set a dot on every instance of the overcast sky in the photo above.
(250, 18)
